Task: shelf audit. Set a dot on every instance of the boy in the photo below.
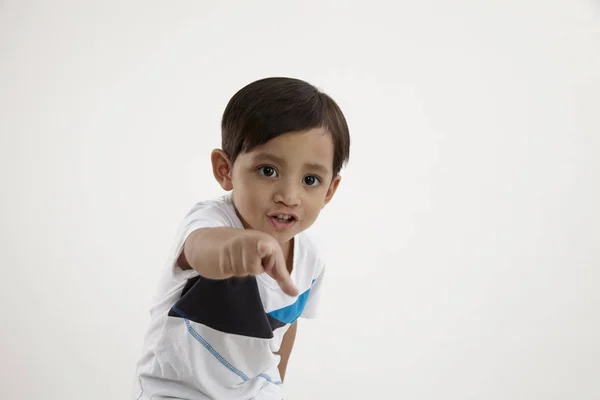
(242, 271)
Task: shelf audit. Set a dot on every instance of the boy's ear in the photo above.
(331, 190)
(221, 168)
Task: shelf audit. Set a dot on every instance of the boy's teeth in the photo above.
(285, 217)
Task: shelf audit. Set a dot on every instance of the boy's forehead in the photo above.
(313, 147)
(310, 163)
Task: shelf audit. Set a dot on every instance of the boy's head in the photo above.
(284, 143)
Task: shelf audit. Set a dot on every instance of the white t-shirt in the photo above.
(215, 339)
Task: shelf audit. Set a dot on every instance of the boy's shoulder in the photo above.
(217, 203)
(312, 249)
(217, 211)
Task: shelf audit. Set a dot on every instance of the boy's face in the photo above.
(290, 176)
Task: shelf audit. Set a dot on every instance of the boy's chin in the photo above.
(282, 237)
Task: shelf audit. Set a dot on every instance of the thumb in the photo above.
(264, 248)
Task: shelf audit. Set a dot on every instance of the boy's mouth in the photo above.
(283, 217)
(282, 221)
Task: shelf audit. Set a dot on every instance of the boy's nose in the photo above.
(288, 195)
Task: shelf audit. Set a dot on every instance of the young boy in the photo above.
(242, 271)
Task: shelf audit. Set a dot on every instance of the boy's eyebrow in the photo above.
(268, 157)
(318, 167)
(278, 160)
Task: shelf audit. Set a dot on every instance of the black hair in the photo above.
(269, 107)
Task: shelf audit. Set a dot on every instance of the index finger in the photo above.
(282, 276)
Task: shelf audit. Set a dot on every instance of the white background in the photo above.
(464, 242)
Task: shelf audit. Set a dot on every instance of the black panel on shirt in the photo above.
(229, 305)
(275, 323)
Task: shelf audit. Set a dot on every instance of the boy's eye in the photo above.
(311, 180)
(267, 171)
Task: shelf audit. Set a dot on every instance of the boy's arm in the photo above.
(286, 348)
(201, 250)
(221, 253)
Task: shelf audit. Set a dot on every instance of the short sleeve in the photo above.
(202, 215)
(314, 297)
